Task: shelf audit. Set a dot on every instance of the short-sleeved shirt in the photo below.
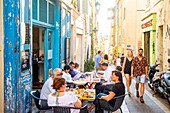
(67, 77)
(68, 99)
(97, 59)
(118, 60)
(118, 89)
(139, 66)
(46, 89)
(108, 73)
(72, 73)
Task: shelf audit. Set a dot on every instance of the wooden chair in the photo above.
(66, 109)
(36, 96)
(118, 102)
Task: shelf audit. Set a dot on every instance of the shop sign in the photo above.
(147, 24)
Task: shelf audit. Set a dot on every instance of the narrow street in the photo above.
(153, 104)
(76, 37)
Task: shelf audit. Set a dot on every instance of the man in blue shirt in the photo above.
(98, 58)
(72, 72)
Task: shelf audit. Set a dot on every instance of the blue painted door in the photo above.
(17, 56)
(48, 46)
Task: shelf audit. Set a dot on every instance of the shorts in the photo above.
(140, 79)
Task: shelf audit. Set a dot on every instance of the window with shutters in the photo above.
(46, 10)
(34, 9)
(43, 10)
(51, 13)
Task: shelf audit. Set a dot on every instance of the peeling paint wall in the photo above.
(166, 35)
(1, 59)
(11, 54)
(17, 80)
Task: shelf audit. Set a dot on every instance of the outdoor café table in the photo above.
(85, 94)
(86, 83)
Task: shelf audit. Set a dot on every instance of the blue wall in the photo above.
(56, 40)
(18, 81)
(17, 84)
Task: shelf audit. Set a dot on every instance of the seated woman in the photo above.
(66, 75)
(117, 90)
(63, 98)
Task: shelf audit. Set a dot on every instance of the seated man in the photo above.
(47, 88)
(117, 90)
(72, 72)
(106, 78)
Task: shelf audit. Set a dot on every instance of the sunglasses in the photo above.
(60, 74)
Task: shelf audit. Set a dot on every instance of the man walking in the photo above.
(139, 70)
(98, 58)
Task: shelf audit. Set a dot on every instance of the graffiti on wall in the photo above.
(168, 32)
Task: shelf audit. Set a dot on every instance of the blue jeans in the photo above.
(100, 95)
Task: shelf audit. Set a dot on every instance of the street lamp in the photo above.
(97, 6)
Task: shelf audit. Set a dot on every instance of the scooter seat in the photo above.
(167, 79)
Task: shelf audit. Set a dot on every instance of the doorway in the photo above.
(38, 56)
(160, 48)
(147, 45)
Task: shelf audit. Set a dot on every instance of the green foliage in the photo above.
(74, 2)
(88, 65)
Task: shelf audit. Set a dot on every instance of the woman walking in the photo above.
(126, 69)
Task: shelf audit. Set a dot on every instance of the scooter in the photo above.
(164, 88)
(153, 80)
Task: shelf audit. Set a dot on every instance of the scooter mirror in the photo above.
(169, 60)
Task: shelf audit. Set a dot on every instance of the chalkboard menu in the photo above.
(25, 60)
(27, 34)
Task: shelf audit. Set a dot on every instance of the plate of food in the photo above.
(79, 82)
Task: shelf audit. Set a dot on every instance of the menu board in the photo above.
(25, 60)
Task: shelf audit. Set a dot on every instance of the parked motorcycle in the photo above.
(164, 88)
(153, 80)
